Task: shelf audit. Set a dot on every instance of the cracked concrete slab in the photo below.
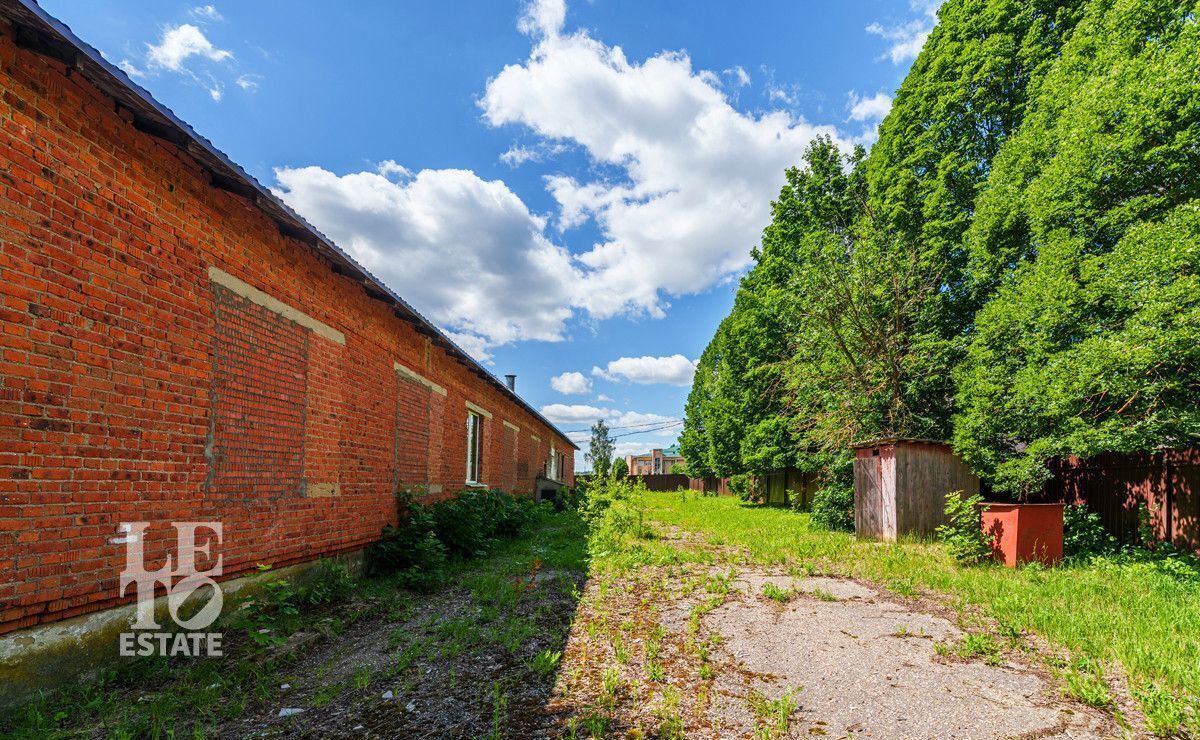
(866, 666)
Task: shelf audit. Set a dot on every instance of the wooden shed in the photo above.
(900, 486)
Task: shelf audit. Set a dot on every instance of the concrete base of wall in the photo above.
(50, 656)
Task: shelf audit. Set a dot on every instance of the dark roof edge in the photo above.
(92, 64)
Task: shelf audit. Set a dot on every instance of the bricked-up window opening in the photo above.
(474, 448)
(413, 420)
(553, 464)
(260, 377)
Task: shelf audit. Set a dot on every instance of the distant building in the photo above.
(655, 462)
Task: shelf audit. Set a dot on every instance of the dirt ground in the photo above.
(677, 649)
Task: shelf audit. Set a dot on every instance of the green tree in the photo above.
(967, 93)
(600, 449)
(1089, 232)
(858, 305)
(620, 468)
(736, 418)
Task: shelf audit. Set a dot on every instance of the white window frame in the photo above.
(474, 448)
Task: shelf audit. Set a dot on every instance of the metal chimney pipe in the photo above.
(511, 380)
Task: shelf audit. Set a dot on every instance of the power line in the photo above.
(655, 429)
(668, 425)
(626, 426)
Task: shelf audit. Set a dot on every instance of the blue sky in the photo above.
(571, 190)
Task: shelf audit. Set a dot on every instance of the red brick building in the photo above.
(177, 345)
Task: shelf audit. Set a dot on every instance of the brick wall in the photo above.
(136, 386)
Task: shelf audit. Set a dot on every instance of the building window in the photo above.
(553, 465)
(474, 447)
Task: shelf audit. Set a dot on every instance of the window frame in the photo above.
(474, 448)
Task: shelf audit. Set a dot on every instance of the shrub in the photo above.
(461, 524)
(615, 509)
(471, 523)
(742, 485)
(963, 534)
(833, 507)
(419, 549)
(1084, 535)
(428, 565)
(402, 547)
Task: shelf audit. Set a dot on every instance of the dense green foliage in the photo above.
(833, 507)
(418, 550)
(962, 534)
(1084, 535)
(600, 449)
(614, 510)
(1090, 229)
(1012, 268)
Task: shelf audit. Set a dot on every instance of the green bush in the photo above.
(461, 524)
(421, 546)
(614, 509)
(742, 486)
(471, 523)
(428, 564)
(1084, 535)
(963, 534)
(833, 507)
(402, 547)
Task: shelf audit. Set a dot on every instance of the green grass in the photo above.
(159, 698)
(1140, 615)
(772, 716)
(775, 593)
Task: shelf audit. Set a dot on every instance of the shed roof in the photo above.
(42, 33)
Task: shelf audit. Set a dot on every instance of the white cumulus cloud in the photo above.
(581, 414)
(571, 383)
(178, 43)
(465, 251)
(670, 370)
(696, 175)
(906, 39)
(874, 108)
(574, 413)
(205, 13)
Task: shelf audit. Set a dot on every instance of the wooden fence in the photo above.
(787, 487)
(714, 486)
(663, 481)
(1114, 485)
